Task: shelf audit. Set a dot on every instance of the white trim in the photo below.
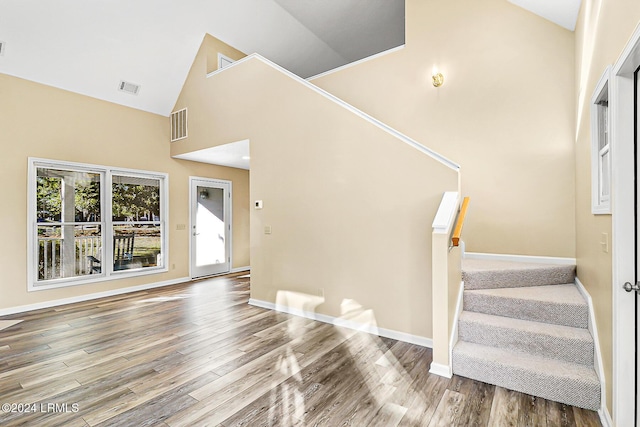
(212, 181)
(597, 362)
(605, 418)
(447, 210)
(456, 318)
(358, 62)
(350, 324)
(621, 102)
(89, 297)
(239, 269)
(521, 258)
(441, 370)
(436, 156)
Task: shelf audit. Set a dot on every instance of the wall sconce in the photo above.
(437, 78)
(204, 194)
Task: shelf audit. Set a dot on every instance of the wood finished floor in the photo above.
(198, 355)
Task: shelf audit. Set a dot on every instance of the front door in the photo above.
(210, 227)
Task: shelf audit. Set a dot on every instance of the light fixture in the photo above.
(246, 158)
(437, 78)
(204, 194)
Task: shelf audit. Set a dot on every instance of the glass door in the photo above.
(210, 227)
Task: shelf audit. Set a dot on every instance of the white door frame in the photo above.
(621, 100)
(212, 181)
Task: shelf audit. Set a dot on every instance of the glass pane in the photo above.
(137, 246)
(210, 228)
(67, 196)
(66, 251)
(603, 126)
(605, 176)
(135, 199)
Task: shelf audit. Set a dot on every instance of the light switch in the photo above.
(267, 229)
(604, 241)
(181, 226)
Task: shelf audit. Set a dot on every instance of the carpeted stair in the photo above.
(525, 327)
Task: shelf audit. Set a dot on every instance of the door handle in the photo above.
(629, 287)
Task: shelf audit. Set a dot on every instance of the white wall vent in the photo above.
(2, 47)
(179, 124)
(131, 88)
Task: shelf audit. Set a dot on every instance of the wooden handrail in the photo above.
(458, 230)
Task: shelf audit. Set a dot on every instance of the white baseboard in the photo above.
(372, 329)
(520, 258)
(88, 297)
(441, 370)
(605, 417)
(598, 366)
(240, 269)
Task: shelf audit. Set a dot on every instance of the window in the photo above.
(89, 223)
(601, 148)
(224, 61)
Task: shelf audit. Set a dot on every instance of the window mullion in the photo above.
(108, 215)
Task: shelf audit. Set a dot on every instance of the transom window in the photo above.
(90, 223)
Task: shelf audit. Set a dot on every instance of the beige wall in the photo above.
(350, 207)
(505, 113)
(41, 121)
(604, 27)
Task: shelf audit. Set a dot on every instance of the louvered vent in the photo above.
(131, 88)
(2, 46)
(179, 124)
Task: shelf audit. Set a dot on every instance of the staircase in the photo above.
(525, 327)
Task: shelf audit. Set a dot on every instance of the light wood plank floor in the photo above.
(198, 355)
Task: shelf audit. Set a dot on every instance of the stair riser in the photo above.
(555, 275)
(571, 391)
(567, 349)
(555, 313)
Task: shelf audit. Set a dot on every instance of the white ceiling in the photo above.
(561, 12)
(89, 46)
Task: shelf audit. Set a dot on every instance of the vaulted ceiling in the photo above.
(88, 47)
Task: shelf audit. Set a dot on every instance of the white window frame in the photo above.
(107, 273)
(221, 59)
(600, 201)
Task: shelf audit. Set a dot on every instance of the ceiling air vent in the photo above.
(179, 124)
(131, 88)
(2, 46)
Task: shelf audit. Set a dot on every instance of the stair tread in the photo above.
(561, 294)
(491, 274)
(474, 265)
(531, 326)
(560, 381)
(528, 362)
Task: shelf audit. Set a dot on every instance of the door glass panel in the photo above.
(210, 227)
